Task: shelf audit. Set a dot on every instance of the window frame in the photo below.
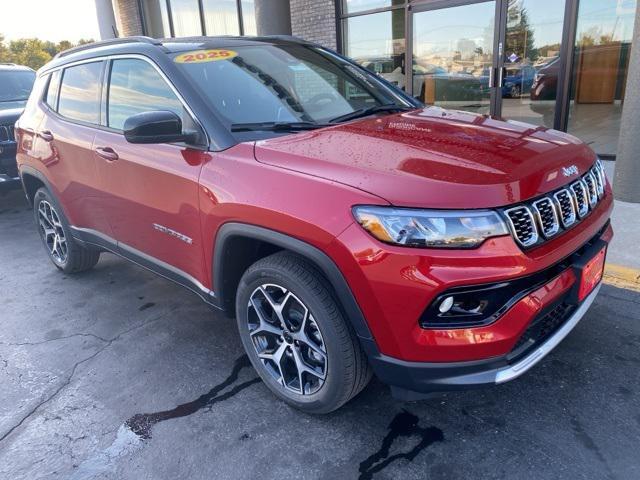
(46, 90)
(106, 60)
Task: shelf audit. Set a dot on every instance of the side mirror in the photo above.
(155, 127)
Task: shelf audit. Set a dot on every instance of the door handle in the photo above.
(107, 153)
(503, 74)
(46, 135)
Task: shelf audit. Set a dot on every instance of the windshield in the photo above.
(15, 87)
(283, 84)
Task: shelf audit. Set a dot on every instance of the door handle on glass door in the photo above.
(107, 153)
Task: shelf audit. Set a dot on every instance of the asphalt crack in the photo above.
(69, 378)
(66, 337)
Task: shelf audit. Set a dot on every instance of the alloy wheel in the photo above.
(52, 232)
(287, 339)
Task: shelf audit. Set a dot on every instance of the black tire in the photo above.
(74, 257)
(515, 91)
(345, 365)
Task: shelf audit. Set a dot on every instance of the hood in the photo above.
(435, 158)
(10, 116)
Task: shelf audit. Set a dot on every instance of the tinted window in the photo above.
(80, 93)
(137, 87)
(53, 90)
(16, 86)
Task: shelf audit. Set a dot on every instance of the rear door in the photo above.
(151, 191)
(63, 142)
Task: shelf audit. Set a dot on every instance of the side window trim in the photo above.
(45, 95)
(105, 59)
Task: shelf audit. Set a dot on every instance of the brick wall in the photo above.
(314, 20)
(127, 17)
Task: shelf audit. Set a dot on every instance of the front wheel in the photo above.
(65, 253)
(296, 336)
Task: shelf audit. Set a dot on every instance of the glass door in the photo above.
(453, 54)
(530, 63)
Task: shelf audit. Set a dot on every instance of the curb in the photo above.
(623, 277)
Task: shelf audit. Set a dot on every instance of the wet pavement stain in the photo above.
(132, 434)
(142, 423)
(146, 305)
(405, 424)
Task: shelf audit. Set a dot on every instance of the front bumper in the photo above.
(9, 178)
(412, 380)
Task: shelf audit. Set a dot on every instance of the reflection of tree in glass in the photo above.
(520, 34)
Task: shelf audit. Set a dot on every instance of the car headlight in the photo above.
(430, 228)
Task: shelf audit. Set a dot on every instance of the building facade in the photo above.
(558, 63)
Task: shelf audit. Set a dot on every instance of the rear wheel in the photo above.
(296, 336)
(65, 253)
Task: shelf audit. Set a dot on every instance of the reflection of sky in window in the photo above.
(441, 31)
(546, 18)
(135, 88)
(80, 93)
(607, 17)
(370, 35)
(360, 5)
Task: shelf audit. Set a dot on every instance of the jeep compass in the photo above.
(349, 229)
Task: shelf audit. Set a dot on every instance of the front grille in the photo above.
(545, 217)
(542, 328)
(579, 190)
(523, 224)
(7, 133)
(592, 192)
(566, 207)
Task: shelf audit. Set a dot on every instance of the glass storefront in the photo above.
(512, 58)
(156, 18)
(453, 56)
(187, 18)
(377, 42)
(600, 65)
(533, 43)
(221, 17)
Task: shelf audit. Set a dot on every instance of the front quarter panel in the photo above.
(234, 187)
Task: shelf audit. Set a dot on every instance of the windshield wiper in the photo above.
(276, 126)
(363, 112)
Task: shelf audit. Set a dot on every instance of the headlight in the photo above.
(430, 228)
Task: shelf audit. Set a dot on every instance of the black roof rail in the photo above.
(111, 41)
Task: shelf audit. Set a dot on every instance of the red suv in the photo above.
(350, 230)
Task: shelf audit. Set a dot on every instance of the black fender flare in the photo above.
(27, 170)
(322, 261)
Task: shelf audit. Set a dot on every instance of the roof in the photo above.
(151, 46)
(13, 66)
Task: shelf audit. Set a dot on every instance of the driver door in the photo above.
(151, 191)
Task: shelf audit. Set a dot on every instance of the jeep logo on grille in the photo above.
(571, 170)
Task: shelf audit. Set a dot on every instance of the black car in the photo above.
(16, 82)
